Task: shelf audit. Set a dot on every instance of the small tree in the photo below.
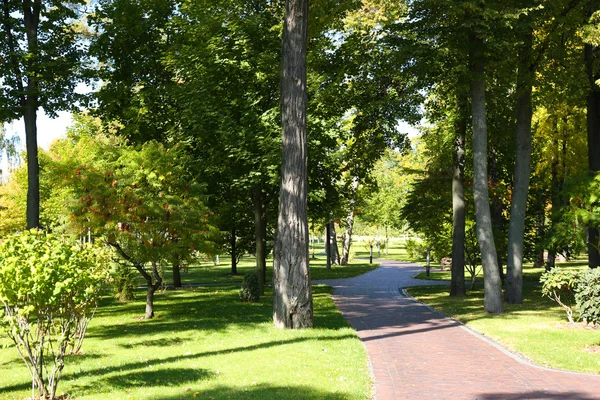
(144, 204)
(49, 287)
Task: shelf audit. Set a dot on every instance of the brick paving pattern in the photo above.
(416, 353)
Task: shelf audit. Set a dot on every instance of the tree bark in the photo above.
(176, 274)
(233, 242)
(336, 253)
(328, 246)
(31, 18)
(516, 227)
(593, 134)
(260, 224)
(485, 237)
(349, 225)
(457, 281)
(292, 297)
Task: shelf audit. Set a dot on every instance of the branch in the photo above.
(127, 257)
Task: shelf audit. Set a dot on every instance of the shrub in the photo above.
(415, 249)
(587, 296)
(560, 285)
(48, 287)
(250, 291)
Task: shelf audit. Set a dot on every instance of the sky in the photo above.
(48, 129)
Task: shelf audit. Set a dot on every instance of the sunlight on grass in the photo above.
(203, 341)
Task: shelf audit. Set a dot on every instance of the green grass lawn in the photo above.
(208, 272)
(203, 343)
(537, 329)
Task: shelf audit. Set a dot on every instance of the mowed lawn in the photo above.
(210, 273)
(204, 343)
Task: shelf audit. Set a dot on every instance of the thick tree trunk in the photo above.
(176, 274)
(150, 301)
(497, 210)
(233, 244)
(292, 297)
(516, 227)
(457, 283)
(260, 224)
(593, 134)
(349, 225)
(485, 237)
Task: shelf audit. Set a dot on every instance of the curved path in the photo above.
(417, 353)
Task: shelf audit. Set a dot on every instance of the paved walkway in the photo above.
(416, 353)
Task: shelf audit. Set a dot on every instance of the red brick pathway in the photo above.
(416, 353)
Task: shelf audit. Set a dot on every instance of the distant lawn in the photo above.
(537, 329)
(205, 344)
(209, 273)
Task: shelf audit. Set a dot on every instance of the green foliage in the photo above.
(123, 279)
(48, 286)
(415, 249)
(587, 296)
(250, 291)
(560, 286)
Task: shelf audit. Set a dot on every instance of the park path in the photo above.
(417, 353)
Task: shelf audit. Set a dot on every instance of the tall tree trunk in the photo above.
(234, 256)
(260, 224)
(292, 297)
(593, 134)
(485, 236)
(150, 301)
(457, 284)
(29, 102)
(349, 225)
(556, 184)
(328, 246)
(516, 227)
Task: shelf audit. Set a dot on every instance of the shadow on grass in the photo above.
(164, 377)
(260, 392)
(134, 366)
(214, 309)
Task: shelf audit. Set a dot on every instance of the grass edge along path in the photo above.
(204, 343)
(536, 330)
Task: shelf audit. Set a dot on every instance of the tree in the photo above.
(492, 282)
(143, 203)
(40, 69)
(292, 302)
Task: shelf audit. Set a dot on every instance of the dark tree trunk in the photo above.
(292, 293)
(349, 225)
(556, 181)
(492, 283)
(233, 251)
(457, 284)
(335, 253)
(29, 102)
(150, 301)
(328, 246)
(176, 274)
(33, 168)
(260, 224)
(516, 227)
(593, 134)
